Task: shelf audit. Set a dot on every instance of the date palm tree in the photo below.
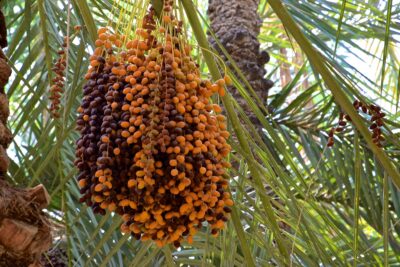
(335, 206)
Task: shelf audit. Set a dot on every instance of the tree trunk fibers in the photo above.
(236, 24)
(25, 231)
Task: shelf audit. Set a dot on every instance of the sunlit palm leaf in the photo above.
(313, 187)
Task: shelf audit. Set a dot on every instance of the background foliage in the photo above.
(334, 207)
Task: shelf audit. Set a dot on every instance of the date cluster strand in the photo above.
(153, 146)
(376, 118)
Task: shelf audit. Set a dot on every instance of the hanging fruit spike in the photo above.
(376, 117)
(152, 145)
(57, 83)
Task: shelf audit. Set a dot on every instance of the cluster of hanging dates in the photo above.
(153, 146)
(376, 118)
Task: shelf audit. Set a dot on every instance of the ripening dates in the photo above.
(376, 119)
(153, 145)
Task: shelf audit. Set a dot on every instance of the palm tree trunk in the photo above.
(237, 25)
(25, 231)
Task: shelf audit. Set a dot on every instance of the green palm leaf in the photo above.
(297, 202)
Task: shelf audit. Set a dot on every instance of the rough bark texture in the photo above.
(5, 134)
(237, 25)
(25, 231)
